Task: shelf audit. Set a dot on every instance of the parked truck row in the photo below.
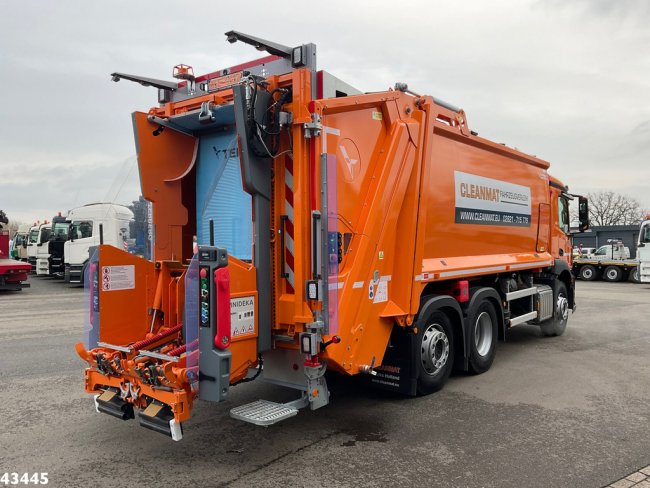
(61, 246)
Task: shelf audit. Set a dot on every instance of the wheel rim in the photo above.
(434, 350)
(612, 274)
(587, 273)
(562, 307)
(483, 333)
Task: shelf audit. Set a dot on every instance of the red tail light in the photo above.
(460, 291)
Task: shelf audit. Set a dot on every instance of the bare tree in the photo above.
(609, 208)
(8, 224)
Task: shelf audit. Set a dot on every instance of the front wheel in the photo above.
(634, 275)
(435, 353)
(556, 325)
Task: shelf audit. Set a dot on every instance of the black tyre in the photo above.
(435, 352)
(612, 274)
(588, 273)
(634, 275)
(556, 325)
(483, 337)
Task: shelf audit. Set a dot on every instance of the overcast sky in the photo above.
(568, 81)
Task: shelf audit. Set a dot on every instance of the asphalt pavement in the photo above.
(551, 412)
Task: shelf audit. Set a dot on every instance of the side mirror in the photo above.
(583, 213)
(25, 244)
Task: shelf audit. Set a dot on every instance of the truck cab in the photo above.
(643, 251)
(21, 237)
(43, 250)
(84, 232)
(36, 236)
(50, 256)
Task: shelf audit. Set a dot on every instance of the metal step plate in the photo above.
(263, 412)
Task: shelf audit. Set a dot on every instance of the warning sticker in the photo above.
(381, 294)
(224, 81)
(116, 278)
(242, 316)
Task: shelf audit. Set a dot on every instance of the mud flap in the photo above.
(398, 371)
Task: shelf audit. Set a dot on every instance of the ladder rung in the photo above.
(526, 292)
(523, 318)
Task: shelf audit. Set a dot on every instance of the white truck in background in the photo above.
(49, 256)
(84, 233)
(21, 239)
(643, 251)
(610, 262)
(38, 234)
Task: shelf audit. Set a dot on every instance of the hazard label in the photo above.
(116, 278)
(242, 316)
(381, 294)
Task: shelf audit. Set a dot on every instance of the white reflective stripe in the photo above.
(289, 210)
(335, 286)
(288, 243)
(535, 264)
(419, 277)
(458, 272)
(290, 277)
(385, 278)
(326, 131)
(288, 179)
(358, 284)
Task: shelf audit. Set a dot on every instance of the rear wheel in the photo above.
(483, 337)
(588, 273)
(612, 274)
(634, 275)
(556, 325)
(435, 353)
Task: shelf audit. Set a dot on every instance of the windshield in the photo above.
(33, 236)
(18, 240)
(45, 234)
(80, 229)
(61, 231)
(644, 237)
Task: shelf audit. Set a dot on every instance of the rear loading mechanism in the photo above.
(367, 234)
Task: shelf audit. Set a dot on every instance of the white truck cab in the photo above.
(84, 234)
(21, 239)
(35, 235)
(643, 251)
(43, 250)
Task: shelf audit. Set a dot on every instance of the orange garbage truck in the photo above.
(302, 226)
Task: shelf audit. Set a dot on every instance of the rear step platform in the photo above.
(264, 412)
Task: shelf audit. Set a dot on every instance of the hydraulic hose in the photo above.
(151, 340)
(177, 351)
(181, 349)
